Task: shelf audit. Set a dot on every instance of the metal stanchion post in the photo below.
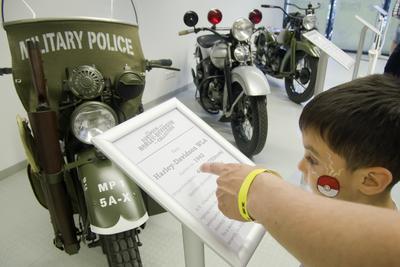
(373, 55)
(374, 52)
(359, 51)
(321, 74)
(193, 248)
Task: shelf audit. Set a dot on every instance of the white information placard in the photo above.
(162, 150)
(329, 48)
(369, 25)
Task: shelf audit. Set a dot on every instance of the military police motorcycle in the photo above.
(227, 80)
(286, 54)
(78, 71)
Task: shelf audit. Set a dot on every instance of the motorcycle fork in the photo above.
(196, 76)
(293, 55)
(228, 95)
(229, 102)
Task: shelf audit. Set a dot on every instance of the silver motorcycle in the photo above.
(227, 80)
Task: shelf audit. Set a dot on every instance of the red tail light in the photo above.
(255, 16)
(214, 16)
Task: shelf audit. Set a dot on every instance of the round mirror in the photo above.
(190, 18)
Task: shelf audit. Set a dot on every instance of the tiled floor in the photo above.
(26, 233)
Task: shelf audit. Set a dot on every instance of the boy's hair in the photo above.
(360, 121)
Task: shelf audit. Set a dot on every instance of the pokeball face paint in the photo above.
(328, 186)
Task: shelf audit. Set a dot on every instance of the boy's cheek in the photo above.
(312, 182)
(306, 179)
(306, 184)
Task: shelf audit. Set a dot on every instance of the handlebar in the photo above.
(296, 6)
(5, 71)
(164, 67)
(272, 6)
(305, 8)
(160, 64)
(196, 30)
(184, 32)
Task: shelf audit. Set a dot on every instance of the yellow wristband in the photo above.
(244, 190)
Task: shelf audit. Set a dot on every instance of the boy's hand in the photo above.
(230, 179)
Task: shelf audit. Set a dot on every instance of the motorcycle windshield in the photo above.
(73, 33)
(115, 10)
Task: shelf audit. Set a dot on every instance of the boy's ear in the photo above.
(375, 180)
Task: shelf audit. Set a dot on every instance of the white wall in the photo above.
(159, 22)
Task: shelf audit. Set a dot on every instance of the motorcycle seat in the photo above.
(207, 41)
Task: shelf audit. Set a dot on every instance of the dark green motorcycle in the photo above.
(78, 72)
(286, 54)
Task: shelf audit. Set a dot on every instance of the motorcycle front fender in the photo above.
(252, 80)
(114, 202)
(308, 48)
(288, 64)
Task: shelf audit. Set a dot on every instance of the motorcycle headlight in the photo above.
(242, 53)
(242, 29)
(91, 119)
(309, 22)
(218, 54)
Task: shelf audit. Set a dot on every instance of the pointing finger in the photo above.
(212, 167)
(218, 168)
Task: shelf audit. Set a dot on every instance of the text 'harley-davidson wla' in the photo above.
(95, 78)
(227, 80)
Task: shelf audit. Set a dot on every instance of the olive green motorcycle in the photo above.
(285, 53)
(78, 74)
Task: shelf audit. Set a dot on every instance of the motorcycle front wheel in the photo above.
(300, 86)
(249, 124)
(121, 249)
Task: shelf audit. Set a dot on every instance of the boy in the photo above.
(393, 63)
(351, 136)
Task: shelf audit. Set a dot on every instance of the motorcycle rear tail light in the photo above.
(214, 16)
(255, 16)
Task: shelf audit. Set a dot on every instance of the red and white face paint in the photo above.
(328, 186)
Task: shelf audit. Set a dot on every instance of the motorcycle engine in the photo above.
(274, 55)
(214, 93)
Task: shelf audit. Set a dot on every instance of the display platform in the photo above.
(161, 150)
(329, 48)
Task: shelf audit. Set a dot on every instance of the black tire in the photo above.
(121, 249)
(250, 114)
(304, 78)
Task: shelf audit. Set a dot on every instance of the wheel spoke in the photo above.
(248, 129)
(299, 84)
